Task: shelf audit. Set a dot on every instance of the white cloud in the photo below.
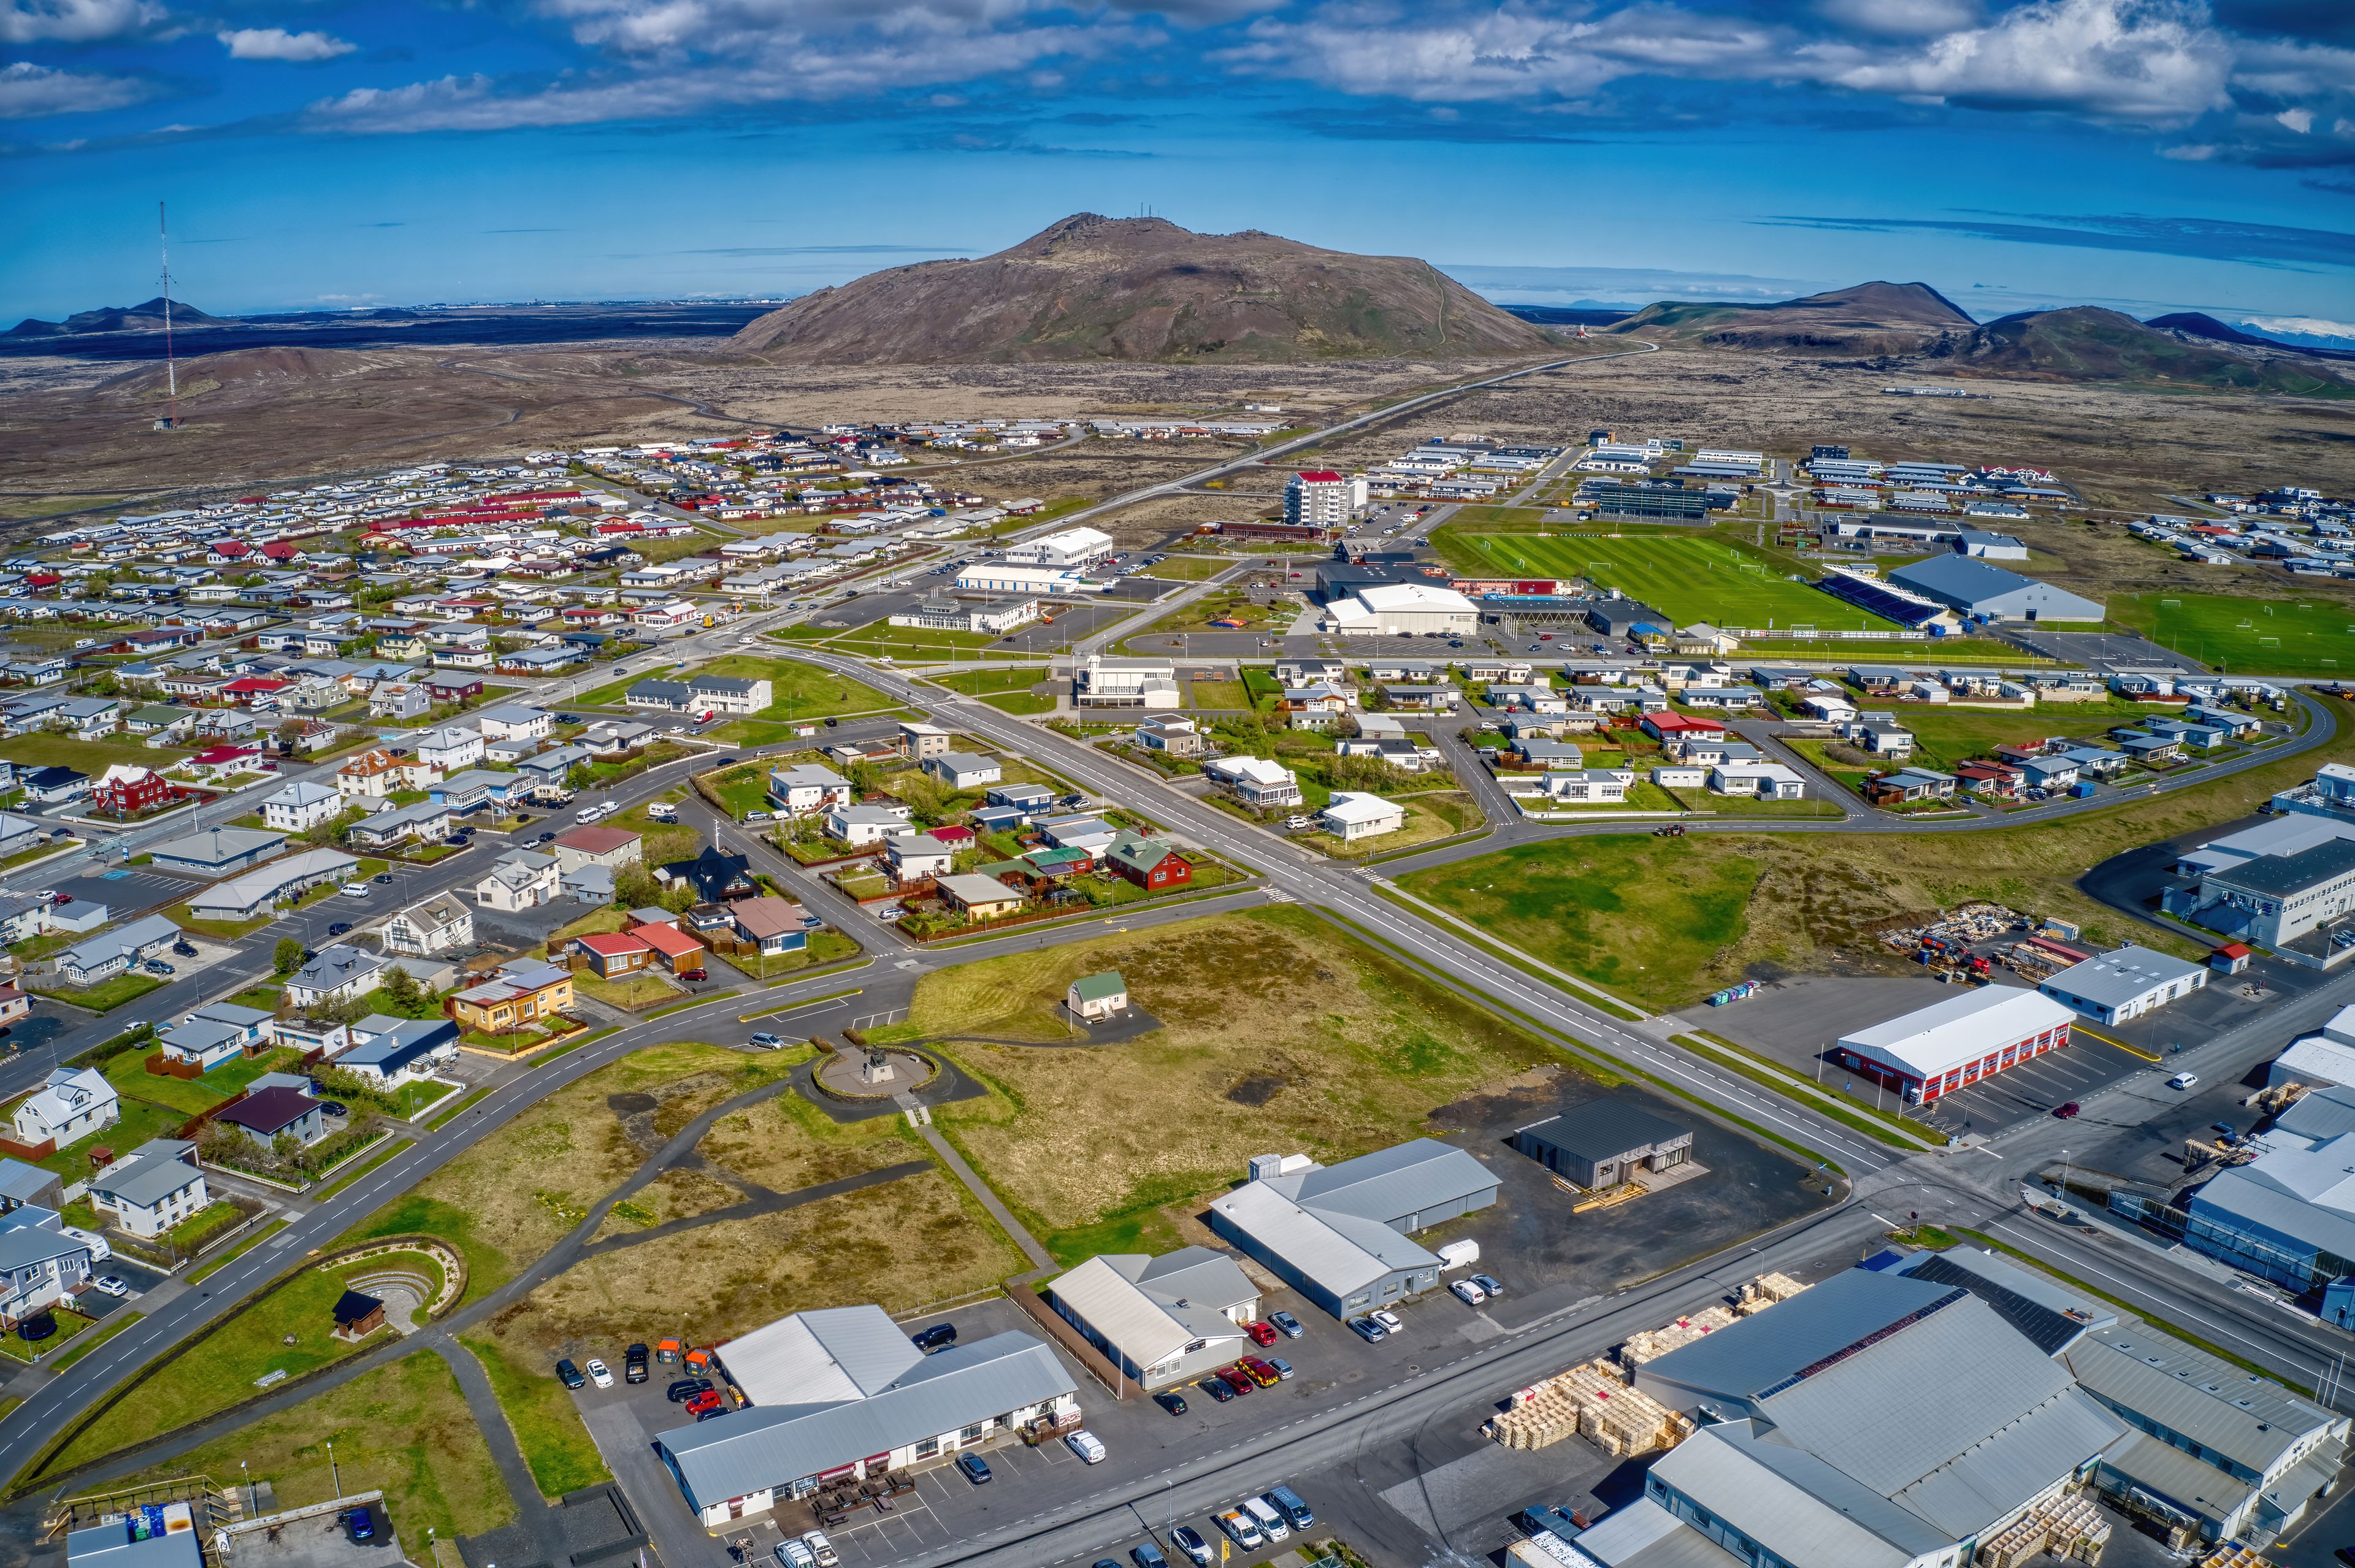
(2298, 120)
(278, 44)
(2301, 326)
(74, 21)
(28, 91)
(1901, 18)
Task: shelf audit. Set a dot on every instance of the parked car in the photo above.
(1369, 1331)
(975, 1467)
(2183, 1081)
(1241, 1530)
(688, 1388)
(356, 890)
(1087, 1445)
(1237, 1378)
(821, 1548)
(1174, 1403)
(1288, 1502)
(599, 1373)
(709, 1400)
(63, 898)
(1259, 1372)
(1283, 1368)
(1271, 1523)
(110, 1285)
(1288, 1324)
(339, 927)
(791, 1553)
(570, 1375)
(184, 950)
(1390, 1321)
(940, 1336)
(1216, 1387)
(1464, 1291)
(361, 1522)
(1262, 1334)
(547, 838)
(1188, 1540)
(768, 1041)
(634, 1364)
(1489, 1283)
(1145, 1554)
(157, 966)
(384, 877)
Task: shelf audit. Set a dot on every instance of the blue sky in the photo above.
(2151, 154)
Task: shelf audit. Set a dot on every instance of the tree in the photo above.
(635, 887)
(287, 955)
(580, 777)
(402, 989)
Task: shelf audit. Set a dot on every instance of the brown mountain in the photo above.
(1868, 319)
(2086, 343)
(1141, 288)
(148, 317)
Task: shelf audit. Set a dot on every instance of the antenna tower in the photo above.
(171, 420)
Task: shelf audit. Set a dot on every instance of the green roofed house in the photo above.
(1095, 996)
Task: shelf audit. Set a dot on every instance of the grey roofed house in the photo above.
(242, 897)
(1339, 1235)
(2048, 1314)
(216, 850)
(111, 1545)
(1160, 1318)
(110, 952)
(149, 1174)
(863, 1397)
(21, 1184)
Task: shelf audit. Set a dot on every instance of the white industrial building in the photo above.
(1070, 548)
(1401, 609)
(2327, 1056)
(1939, 1049)
(2114, 988)
(1008, 577)
(1125, 683)
(1160, 1319)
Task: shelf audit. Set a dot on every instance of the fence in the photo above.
(1098, 1366)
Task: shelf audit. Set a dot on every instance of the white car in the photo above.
(2183, 1081)
(110, 1285)
(1389, 1320)
(599, 1373)
(792, 1553)
(821, 1548)
(1464, 1291)
(1087, 1445)
(100, 1250)
(356, 890)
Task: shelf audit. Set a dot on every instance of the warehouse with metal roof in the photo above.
(2116, 986)
(842, 1394)
(1338, 1235)
(1983, 591)
(1936, 1050)
(1160, 1319)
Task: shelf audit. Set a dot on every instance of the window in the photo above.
(972, 1434)
(928, 1447)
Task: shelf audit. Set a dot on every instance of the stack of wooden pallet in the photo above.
(1764, 1291)
(2070, 1527)
(1653, 1343)
(1593, 1401)
(2235, 1556)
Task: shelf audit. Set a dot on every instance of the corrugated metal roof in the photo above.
(1145, 1320)
(1605, 1129)
(1643, 1534)
(754, 1449)
(1742, 1360)
(2037, 1307)
(2249, 1419)
(1389, 1184)
(1997, 1476)
(833, 1352)
(2176, 1476)
(1946, 1034)
(1792, 1503)
(2115, 978)
(1311, 1245)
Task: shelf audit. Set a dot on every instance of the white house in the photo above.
(1354, 814)
(918, 856)
(74, 1103)
(806, 787)
(449, 749)
(339, 973)
(514, 722)
(963, 770)
(1255, 782)
(300, 806)
(154, 1188)
(429, 926)
(522, 878)
(859, 825)
(1767, 780)
(1589, 787)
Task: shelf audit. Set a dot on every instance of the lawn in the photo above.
(802, 691)
(1685, 577)
(182, 916)
(1231, 603)
(633, 992)
(127, 1070)
(1020, 704)
(223, 1368)
(140, 1120)
(403, 1428)
(1186, 568)
(915, 644)
(515, 1195)
(91, 757)
(1278, 1032)
(1945, 735)
(985, 682)
(104, 997)
(1428, 817)
(1666, 921)
(740, 789)
(1224, 696)
(547, 1426)
(2300, 630)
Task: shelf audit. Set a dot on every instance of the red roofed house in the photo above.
(681, 952)
(955, 837)
(280, 549)
(612, 954)
(218, 760)
(248, 690)
(1667, 726)
(231, 549)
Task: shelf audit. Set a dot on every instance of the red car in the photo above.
(64, 898)
(1261, 1372)
(707, 1399)
(1262, 1334)
(1237, 1378)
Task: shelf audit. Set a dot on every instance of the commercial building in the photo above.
(1022, 581)
(1976, 589)
(1604, 1142)
(1163, 1320)
(1874, 1421)
(244, 897)
(1104, 682)
(2114, 988)
(2297, 903)
(216, 851)
(841, 1395)
(1401, 609)
(1321, 498)
(2287, 1215)
(1936, 1050)
(1067, 548)
(1621, 502)
(991, 618)
(2326, 1056)
(1339, 1235)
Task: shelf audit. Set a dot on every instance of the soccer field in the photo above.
(1686, 579)
(2293, 635)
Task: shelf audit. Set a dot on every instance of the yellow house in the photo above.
(518, 995)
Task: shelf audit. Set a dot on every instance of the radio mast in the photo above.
(171, 420)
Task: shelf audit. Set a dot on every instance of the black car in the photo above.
(183, 950)
(976, 1469)
(634, 1364)
(334, 1108)
(384, 877)
(570, 1375)
(832, 722)
(570, 718)
(688, 1388)
(937, 1337)
(340, 927)
(1174, 1403)
(1217, 1389)
(725, 761)
(546, 838)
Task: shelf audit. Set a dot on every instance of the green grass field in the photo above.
(983, 682)
(800, 691)
(1686, 577)
(2295, 634)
